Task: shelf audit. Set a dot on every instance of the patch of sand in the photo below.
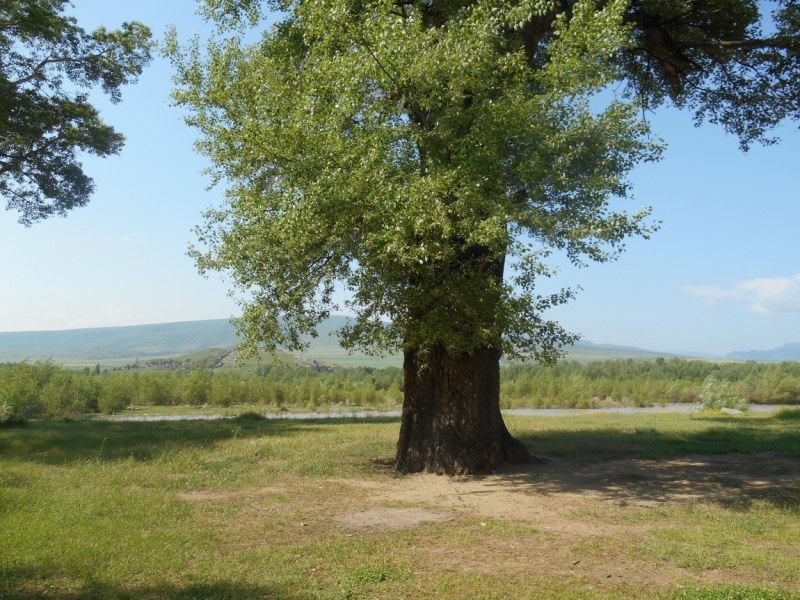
(550, 494)
(392, 518)
(577, 512)
(225, 495)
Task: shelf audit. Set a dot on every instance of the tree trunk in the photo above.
(451, 423)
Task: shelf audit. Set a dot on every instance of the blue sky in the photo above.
(723, 273)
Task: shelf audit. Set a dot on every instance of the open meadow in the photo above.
(661, 505)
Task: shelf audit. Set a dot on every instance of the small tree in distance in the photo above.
(718, 394)
(426, 157)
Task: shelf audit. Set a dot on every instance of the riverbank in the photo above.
(391, 414)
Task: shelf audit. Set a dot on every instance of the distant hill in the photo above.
(104, 343)
(584, 350)
(695, 354)
(785, 352)
(325, 348)
(116, 345)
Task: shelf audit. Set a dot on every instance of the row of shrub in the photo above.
(644, 383)
(44, 388)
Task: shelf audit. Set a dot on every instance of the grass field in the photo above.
(650, 505)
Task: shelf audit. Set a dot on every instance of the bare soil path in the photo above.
(577, 518)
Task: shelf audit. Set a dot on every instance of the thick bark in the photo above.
(451, 423)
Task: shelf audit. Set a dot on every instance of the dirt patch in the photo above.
(226, 360)
(569, 519)
(392, 518)
(551, 493)
(580, 518)
(227, 496)
(560, 558)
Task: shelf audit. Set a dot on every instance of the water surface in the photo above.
(526, 412)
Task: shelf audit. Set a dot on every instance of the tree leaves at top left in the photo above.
(47, 65)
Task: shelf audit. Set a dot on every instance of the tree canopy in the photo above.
(47, 65)
(409, 151)
(411, 162)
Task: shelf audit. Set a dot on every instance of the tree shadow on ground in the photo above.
(731, 465)
(735, 480)
(221, 590)
(734, 461)
(748, 436)
(54, 442)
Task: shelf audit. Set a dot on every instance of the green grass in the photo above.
(243, 509)
(659, 435)
(734, 593)
(788, 414)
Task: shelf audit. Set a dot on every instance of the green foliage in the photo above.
(45, 116)
(641, 383)
(227, 390)
(715, 57)
(116, 395)
(428, 156)
(30, 390)
(411, 153)
(250, 416)
(8, 418)
(788, 390)
(717, 395)
(788, 414)
(64, 394)
(158, 391)
(196, 386)
(20, 387)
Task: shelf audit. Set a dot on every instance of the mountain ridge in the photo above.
(785, 352)
(129, 342)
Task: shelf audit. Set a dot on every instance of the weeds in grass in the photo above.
(734, 593)
(751, 536)
(788, 414)
(251, 416)
(379, 574)
(596, 545)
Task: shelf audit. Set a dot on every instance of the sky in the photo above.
(722, 274)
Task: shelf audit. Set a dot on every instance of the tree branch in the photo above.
(51, 61)
(773, 43)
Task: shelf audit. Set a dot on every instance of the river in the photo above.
(363, 414)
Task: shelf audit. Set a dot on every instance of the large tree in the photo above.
(426, 156)
(47, 64)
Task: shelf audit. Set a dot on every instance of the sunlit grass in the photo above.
(243, 509)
